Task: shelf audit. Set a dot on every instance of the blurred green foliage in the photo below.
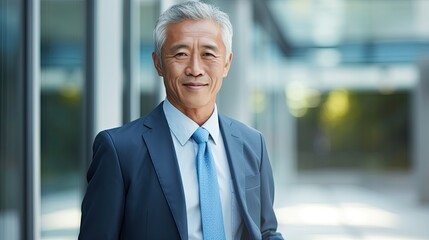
(359, 130)
(61, 132)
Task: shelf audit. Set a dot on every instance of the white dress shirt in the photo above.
(182, 128)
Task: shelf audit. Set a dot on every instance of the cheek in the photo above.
(171, 76)
(218, 85)
(171, 84)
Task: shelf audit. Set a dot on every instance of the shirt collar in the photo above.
(183, 127)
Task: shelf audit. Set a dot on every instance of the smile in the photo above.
(195, 86)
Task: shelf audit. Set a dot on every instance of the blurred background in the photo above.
(339, 88)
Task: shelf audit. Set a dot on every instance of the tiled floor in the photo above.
(351, 206)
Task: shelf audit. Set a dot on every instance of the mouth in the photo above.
(195, 85)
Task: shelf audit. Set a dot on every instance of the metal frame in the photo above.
(32, 119)
(89, 87)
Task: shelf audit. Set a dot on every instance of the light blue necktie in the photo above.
(211, 208)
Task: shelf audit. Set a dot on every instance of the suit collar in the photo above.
(180, 125)
(161, 149)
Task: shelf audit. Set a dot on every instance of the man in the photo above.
(156, 177)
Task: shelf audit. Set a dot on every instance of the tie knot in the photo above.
(200, 135)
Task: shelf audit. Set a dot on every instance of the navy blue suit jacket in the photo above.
(135, 189)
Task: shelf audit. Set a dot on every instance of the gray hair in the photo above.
(192, 10)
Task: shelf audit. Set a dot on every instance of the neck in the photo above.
(199, 115)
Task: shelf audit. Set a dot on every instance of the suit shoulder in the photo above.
(126, 136)
(132, 128)
(240, 125)
(124, 142)
(243, 130)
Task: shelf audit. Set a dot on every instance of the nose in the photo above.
(194, 68)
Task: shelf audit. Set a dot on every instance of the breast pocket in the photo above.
(253, 200)
(252, 181)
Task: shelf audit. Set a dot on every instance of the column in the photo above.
(234, 97)
(421, 131)
(108, 64)
(285, 148)
(32, 118)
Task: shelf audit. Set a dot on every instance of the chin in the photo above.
(197, 104)
(197, 101)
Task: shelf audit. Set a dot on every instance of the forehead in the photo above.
(188, 29)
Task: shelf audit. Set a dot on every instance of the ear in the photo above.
(227, 65)
(157, 63)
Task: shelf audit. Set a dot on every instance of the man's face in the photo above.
(194, 64)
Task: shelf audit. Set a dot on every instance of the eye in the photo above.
(209, 55)
(180, 55)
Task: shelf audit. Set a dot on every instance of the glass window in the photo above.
(12, 142)
(150, 82)
(62, 81)
(347, 88)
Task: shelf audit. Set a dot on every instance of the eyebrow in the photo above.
(206, 46)
(211, 47)
(177, 47)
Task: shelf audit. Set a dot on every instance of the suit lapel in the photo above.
(161, 149)
(234, 150)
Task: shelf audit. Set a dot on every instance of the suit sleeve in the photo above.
(268, 218)
(103, 204)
